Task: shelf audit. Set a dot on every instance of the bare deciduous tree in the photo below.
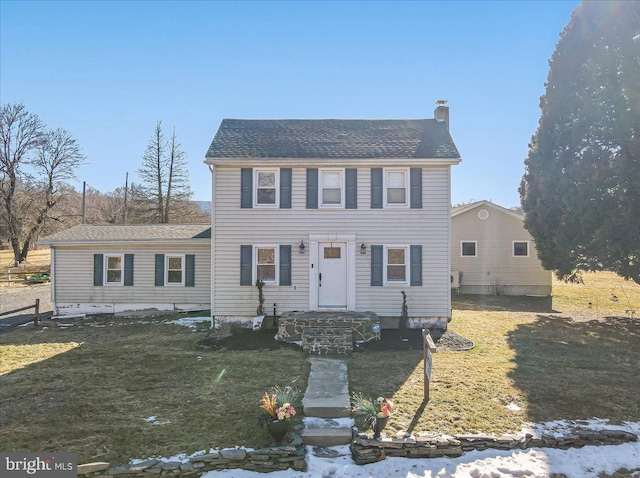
(34, 165)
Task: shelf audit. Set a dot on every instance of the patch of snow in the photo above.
(154, 420)
(315, 421)
(587, 462)
(190, 322)
(514, 407)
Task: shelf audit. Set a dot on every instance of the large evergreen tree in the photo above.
(581, 188)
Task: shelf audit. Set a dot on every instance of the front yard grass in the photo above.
(88, 389)
(535, 360)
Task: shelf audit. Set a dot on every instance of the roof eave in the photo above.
(245, 161)
(93, 242)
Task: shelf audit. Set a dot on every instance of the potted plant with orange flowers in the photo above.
(371, 413)
(277, 411)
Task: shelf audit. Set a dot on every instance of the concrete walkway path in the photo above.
(326, 403)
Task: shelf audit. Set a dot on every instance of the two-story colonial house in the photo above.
(333, 215)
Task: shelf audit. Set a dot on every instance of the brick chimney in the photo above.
(441, 113)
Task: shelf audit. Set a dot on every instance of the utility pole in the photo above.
(126, 193)
(84, 201)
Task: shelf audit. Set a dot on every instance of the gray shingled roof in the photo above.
(349, 139)
(129, 233)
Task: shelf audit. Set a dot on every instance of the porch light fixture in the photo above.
(302, 247)
(363, 248)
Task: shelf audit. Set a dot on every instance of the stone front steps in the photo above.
(323, 339)
(326, 403)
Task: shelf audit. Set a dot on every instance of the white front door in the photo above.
(332, 275)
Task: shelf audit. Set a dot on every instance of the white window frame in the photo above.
(407, 264)
(166, 269)
(254, 262)
(276, 173)
(513, 248)
(385, 172)
(106, 269)
(342, 188)
(462, 249)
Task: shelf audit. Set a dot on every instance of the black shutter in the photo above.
(376, 265)
(98, 273)
(159, 270)
(312, 188)
(285, 188)
(416, 265)
(128, 269)
(245, 265)
(285, 265)
(351, 188)
(376, 188)
(416, 188)
(190, 270)
(246, 188)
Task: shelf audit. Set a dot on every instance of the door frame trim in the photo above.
(314, 258)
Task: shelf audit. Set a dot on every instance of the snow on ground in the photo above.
(586, 462)
(191, 322)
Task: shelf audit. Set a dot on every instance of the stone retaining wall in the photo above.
(365, 450)
(275, 458)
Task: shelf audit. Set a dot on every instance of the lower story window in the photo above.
(175, 268)
(266, 264)
(521, 248)
(468, 248)
(396, 268)
(113, 269)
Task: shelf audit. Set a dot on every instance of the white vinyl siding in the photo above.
(428, 227)
(74, 275)
(497, 270)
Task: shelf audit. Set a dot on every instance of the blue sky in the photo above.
(107, 71)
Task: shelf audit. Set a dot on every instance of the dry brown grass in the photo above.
(88, 389)
(554, 359)
(38, 260)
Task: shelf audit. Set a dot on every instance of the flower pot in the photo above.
(278, 430)
(378, 426)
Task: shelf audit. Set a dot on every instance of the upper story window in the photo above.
(468, 248)
(266, 263)
(113, 269)
(175, 270)
(395, 187)
(266, 187)
(521, 248)
(331, 188)
(395, 265)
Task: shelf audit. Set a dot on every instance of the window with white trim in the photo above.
(468, 248)
(520, 248)
(174, 267)
(266, 187)
(113, 265)
(331, 189)
(396, 187)
(266, 264)
(396, 264)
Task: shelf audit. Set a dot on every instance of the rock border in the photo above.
(366, 450)
(275, 458)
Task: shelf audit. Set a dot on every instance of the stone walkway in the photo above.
(326, 403)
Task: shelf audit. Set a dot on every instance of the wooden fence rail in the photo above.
(36, 312)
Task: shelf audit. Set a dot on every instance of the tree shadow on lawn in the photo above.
(502, 303)
(578, 370)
